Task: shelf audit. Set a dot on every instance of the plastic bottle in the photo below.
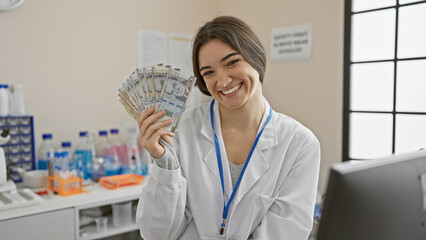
(68, 165)
(134, 163)
(103, 150)
(17, 106)
(117, 147)
(56, 162)
(84, 154)
(4, 100)
(45, 152)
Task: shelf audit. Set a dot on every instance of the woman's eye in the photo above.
(206, 73)
(232, 62)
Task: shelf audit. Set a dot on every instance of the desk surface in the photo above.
(95, 196)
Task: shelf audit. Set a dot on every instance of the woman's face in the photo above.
(230, 79)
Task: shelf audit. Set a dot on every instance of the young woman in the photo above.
(236, 169)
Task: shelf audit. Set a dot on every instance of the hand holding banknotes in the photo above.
(156, 97)
(151, 130)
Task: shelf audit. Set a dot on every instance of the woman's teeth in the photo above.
(232, 90)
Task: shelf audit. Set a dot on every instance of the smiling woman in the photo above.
(229, 78)
(236, 169)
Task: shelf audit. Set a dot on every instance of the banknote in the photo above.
(161, 87)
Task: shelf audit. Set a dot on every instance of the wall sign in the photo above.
(291, 43)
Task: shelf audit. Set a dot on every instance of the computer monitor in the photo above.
(381, 199)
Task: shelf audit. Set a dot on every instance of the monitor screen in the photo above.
(383, 199)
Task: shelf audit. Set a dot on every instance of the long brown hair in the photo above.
(236, 34)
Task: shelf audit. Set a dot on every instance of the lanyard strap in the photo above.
(219, 163)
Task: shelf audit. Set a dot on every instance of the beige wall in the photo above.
(71, 57)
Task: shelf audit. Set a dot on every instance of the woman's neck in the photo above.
(245, 117)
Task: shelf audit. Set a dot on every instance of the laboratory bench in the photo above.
(59, 217)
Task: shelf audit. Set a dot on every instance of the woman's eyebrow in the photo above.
(222, 60)
(228, 56)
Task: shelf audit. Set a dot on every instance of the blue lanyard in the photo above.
(219, 163)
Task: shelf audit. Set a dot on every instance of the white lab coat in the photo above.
(275, 199)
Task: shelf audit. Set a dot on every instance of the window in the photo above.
(384, 78)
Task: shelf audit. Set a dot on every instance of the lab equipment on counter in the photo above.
(103, 150)
(122, 214)
(17, 104)
(45, 152)
(98, 168)
(18, 198)
(69, 167)
(114, 182)
(65, 179)
(10, 197)
(65, 186)
(5, 185)
(117, 146)
(133, 163)
(101, 224)
(4, 100)
(33, 179)
(19, 151)
(84, 153)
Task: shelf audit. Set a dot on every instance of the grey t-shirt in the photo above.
(235, 171)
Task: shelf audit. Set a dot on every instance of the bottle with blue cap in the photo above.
(4, 100)
(45, 151)
(84, 153)
(68, 165)
(117, 147)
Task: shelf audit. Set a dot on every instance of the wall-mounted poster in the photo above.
(291, 43)
(152, 47)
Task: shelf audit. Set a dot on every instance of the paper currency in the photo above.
(161, 87)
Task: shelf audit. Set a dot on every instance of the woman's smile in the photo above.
(231, 90)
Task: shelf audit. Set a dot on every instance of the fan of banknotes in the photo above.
(161, 87)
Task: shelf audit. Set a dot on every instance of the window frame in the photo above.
(347, 74)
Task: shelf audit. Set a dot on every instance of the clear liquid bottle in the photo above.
(116, 147)
(4, 100)
(84, 154)
(132, 162)
(17, 106)
(56, 163)
(103, 150)
(68, 165)
(45, 152)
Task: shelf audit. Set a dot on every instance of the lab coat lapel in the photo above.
(255, 169)
(210, 157)
(258, 165)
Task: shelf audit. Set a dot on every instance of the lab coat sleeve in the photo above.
(290, 216)
(167, 161)
(162, 212)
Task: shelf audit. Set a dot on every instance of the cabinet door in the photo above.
(51, 225)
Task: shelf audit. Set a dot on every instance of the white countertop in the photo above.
(95, 196)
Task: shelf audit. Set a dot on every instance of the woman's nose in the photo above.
(223, 79)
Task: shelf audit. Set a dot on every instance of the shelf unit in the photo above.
(91, 233)
(19, 151)
(105, 200)
(94, 197)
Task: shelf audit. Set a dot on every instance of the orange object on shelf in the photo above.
(65, 187)
(116, 181)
